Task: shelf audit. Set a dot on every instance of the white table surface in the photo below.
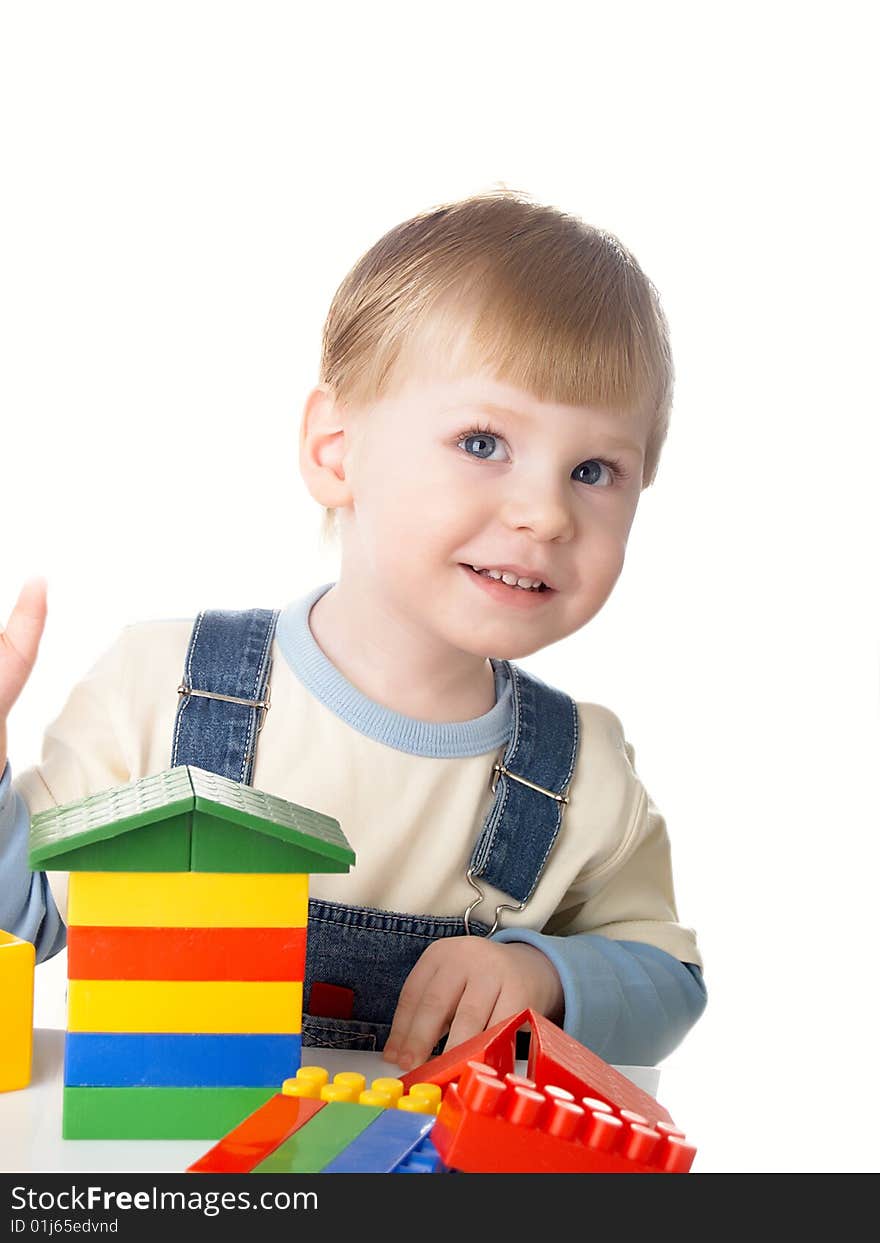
(30, 1119)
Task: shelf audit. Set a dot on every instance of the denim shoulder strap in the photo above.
(224, 694)
(531, 790)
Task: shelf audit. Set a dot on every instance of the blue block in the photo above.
(424, 1159)
(385, 1144)
(175, 1060)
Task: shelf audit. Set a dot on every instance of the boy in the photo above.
(494, 393)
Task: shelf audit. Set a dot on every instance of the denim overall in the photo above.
(224, 696)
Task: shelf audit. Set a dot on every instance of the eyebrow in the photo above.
(613, 442)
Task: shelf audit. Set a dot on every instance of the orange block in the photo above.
(144, 953)
(257, 1136)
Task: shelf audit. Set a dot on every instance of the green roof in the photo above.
(186, 819)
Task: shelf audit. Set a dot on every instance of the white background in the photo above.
(183, 187)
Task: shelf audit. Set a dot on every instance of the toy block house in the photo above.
(187, 917)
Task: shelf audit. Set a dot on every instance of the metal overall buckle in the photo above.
(263, 704)
(498, 770)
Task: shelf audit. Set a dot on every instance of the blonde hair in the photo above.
(548, 303)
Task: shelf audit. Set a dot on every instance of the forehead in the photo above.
(445, 361)
(443, 391)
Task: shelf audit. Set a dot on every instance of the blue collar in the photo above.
(436, 739)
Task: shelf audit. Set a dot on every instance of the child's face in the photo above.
(452, 476)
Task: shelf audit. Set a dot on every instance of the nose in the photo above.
(541, 509)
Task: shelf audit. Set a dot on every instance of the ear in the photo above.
(323, 447)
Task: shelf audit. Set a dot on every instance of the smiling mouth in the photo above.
(532, 585)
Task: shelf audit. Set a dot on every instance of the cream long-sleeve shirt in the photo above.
(411, 818)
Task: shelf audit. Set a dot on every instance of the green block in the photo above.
(187, 820)
(321, 1139)
(221, 846)
(275, 821)
(158, 1113)
(160, 847)
(144, 820)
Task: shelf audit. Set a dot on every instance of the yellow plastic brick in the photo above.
(394, 1088)
(417, 1104)
(315, 1076)
(351, 1079)
(17, 1001)
(301, 1088)
(184, 1006)
(372, 1097)
(430, 1091)
(339, 1092)
(188, 900)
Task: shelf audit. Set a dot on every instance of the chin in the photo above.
(506, 647)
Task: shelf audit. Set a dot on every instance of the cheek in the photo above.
(603, 562)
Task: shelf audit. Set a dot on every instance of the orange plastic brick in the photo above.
(143, 953)
(258, 1136)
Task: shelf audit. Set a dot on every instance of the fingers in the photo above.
(479, 1001)
(25, 626)
(431, 997)
(20, 640)
(426, 1003)
(463, 985)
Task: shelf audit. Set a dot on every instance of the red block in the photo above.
(259, 1135)
(330, 1001)
(127, 953)
(488, 1124)
(496, 1047)
(557, 1058)
(554, 1058)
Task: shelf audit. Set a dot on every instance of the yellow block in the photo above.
(17, 1002)
(188, 900)
(184, 1006)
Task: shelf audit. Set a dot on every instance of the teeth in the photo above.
(526, 584)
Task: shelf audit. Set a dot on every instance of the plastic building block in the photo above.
(573, 1112)
(424, 1159)
(157, 1113)
(187, 819)
(311, 842)
(393, 1087)
(257, 1136)
(496, 1047)
(315, 1145)
(187, 900)
(385, 1144)
(187, 915)
(430, 1093)
(557, 1058)
(184, 1006)
(554, 1058)
(17, 1023)
(489, 1123)
(301, 1134)
(307, 1081)
(133, 953)
(330, 1001)
(142, 827)
(135, 1059)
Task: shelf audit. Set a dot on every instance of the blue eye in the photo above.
(591, 472)
(490, 446)
(482, 445)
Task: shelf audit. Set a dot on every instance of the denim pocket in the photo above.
(344, 1034)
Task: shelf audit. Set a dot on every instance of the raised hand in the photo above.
(18, 649)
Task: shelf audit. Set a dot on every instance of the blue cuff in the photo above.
(27, 908)
(629, 1002)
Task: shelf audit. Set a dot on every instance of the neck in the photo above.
(394, 663)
